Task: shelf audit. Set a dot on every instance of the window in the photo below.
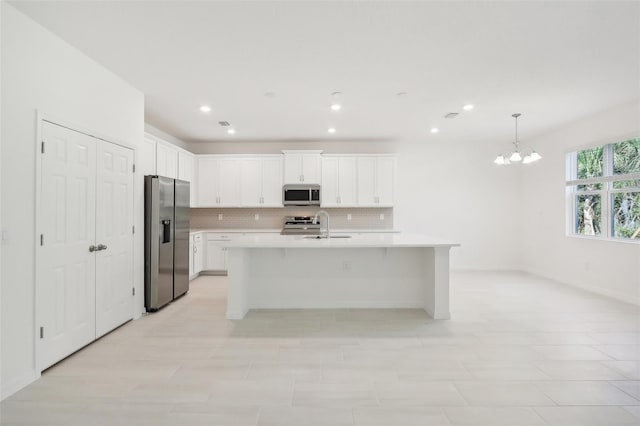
(603, 191)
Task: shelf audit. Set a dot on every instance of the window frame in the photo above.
(606, 193)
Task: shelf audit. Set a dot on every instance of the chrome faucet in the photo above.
(315, 220)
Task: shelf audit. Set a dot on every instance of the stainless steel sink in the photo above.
(318, 237)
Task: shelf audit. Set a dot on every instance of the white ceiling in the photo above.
(552, 61)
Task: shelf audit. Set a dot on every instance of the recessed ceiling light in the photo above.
(231, 131)
(331, 130)
(467, 107)
(434, 130)
(270, 94)
(336, 107)
(401, 94)
(205, 108)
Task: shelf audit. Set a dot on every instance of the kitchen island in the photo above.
(371, 270)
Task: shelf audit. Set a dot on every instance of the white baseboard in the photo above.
(18, 383)
(591, 289)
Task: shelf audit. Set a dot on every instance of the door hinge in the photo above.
(42, 332)
(42, 147)
(133, 291)
(41, 239)
(133, 229)
(134, 168)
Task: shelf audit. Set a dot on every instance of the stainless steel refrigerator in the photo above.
(166, 245)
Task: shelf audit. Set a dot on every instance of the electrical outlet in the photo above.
(220, 216)
(256, 216)
(381, 216)
(349, 217)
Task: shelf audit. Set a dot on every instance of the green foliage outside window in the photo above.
(626, 215)
(590, 163)
(626, 157)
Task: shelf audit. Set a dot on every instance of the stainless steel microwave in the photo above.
(301, 195)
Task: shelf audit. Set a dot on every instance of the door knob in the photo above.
(101, 247)
(92, 248)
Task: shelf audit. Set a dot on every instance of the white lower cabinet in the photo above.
(191, 256)
(196, 254)
(216, 256)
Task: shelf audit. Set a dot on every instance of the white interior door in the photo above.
(114, 236)
(66, 268)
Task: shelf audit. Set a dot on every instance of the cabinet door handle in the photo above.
(195, 249)
(101, 247)
(92, 248)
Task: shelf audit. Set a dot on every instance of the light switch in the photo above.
(381, 216)
(256, 216)
(220, 216)
(349, 217)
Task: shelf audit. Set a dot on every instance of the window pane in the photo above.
(590, 163)
(621, 184)
(626, 157)
(626, 215)
(590, 187)
(588, 214)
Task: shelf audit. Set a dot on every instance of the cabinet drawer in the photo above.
(218, 236)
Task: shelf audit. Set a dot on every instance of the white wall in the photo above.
(454, 191)
(605, 267)
(449, 190)
(41, 72)
(148, 128)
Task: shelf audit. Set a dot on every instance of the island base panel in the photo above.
(277, 278)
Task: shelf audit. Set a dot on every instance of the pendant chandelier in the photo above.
(516, 155)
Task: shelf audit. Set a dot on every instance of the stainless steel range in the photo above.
(300, 225)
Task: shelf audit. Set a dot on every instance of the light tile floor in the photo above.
(518, 351)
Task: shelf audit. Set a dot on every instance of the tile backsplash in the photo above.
(273, 218)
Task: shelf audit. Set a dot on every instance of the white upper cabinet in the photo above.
(262, 181)
(186, 166)
(218, 181)
(166, 160)
(302, 166)
(339, 179)
(272, 181)
(251, 183)
(376, 180)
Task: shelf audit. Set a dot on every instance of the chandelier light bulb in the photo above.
(515, 157)
(527, 159)
(499, 160)
(535, 156)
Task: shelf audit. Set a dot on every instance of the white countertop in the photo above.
(278, 230)
(357, 241)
